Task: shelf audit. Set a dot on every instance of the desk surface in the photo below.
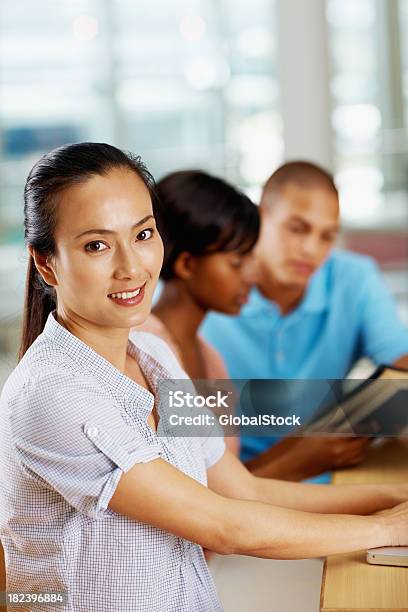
(349, 583)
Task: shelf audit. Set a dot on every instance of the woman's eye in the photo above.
(145, 234)
(236, 263)
(96, 246)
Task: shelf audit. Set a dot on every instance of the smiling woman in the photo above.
(68, 194)
(96, 506)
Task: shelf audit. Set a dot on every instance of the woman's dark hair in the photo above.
(56, 171)
(202, 214)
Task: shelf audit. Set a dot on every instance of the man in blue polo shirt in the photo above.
(316, 310)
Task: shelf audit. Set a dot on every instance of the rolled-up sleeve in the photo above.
(75, 440)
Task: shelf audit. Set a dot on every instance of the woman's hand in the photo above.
(401, 492)
(395, 521)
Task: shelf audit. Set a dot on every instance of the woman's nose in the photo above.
(311, 245)
(128, 263)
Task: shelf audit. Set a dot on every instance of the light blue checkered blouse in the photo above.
(70, 425)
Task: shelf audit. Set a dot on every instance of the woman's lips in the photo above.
(129, 302)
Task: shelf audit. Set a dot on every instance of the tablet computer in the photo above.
(388, 555)
(375, 407)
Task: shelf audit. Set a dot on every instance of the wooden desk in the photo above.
(349, 583)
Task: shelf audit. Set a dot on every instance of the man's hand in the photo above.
(300, 458)
(327, 453)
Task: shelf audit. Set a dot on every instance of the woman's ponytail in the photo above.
(39, 301)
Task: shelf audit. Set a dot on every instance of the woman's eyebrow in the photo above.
(108, 231)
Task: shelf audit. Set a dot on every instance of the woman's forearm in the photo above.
(159, 494)
(349, 499)
(261, 530)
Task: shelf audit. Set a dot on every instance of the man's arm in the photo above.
(299, 458)
(402, 362)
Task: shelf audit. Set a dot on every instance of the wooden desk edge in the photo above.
(387, 477)
(321, 608)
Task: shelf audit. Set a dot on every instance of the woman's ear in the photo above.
(44, 267)
(184, 266)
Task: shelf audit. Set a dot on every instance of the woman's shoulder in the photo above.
(40, 362)
(46, 372)
(215, 365)
(42, 379)
(35, 396)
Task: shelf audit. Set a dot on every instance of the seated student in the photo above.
(94, 503)
(315, 311)
(209, 231)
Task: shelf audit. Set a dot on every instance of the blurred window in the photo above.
(187, 83)
(368, 67)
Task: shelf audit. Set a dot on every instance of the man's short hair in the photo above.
(303, 174)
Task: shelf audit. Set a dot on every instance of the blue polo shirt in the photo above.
(347, 313)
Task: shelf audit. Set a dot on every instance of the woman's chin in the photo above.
(228, 309)
(141, 318)
(131, 319)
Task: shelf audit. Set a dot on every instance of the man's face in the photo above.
(298, 230)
